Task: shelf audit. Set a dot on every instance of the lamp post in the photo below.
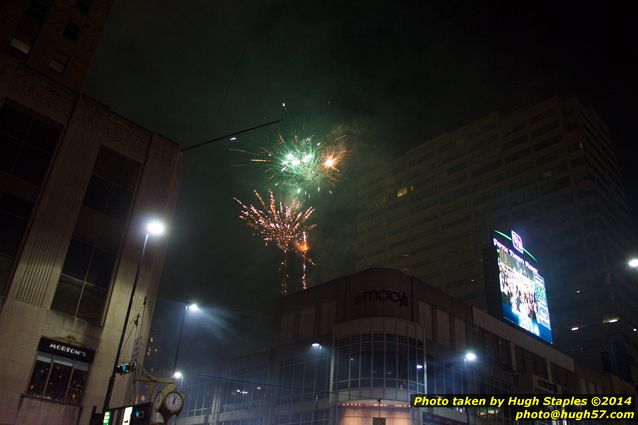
(469, 357)
(633, 263)
(155, 228)
(189, 307)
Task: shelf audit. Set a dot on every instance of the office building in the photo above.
(546, 171)
(77, 184)
(352, 350)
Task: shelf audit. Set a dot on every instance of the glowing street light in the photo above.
(178, 375)
(469, 356)
(633, 263)
(192, 307)
(154, 228)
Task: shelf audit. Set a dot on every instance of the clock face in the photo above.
(174, 402)
(157, 401)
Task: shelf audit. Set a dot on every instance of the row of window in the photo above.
(58, 378)
(27, 144)
(29, 27)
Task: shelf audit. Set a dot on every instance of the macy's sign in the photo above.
(382, 295)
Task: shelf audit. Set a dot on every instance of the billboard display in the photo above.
(523, 300)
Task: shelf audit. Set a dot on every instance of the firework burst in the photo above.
(304, 165)
(286, 226)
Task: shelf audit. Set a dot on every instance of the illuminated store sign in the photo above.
(66, 350)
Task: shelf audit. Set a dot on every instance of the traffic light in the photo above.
(107, 418)
(141, 414)
(124, 368)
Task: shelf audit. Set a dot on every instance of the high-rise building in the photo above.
(77, 184)
(55, 37)
(547, 171)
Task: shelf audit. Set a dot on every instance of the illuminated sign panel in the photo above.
(522, 289)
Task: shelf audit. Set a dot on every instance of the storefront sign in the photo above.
(400, 298)
(66, 350)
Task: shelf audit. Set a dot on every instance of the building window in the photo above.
(83, 5)
(19, 45)
(84, 283)
(26, 146)
(39, 8)
(58, 62)
(58, 378)
(402, 192)
(379, 360)
(111, 187)
(72, 30)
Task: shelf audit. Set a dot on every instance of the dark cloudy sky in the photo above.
(392, 73)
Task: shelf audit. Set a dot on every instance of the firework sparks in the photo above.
(284, 225)
(303, 165)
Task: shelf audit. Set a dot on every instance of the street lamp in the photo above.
(189, 307)
(469, 356)
(633, 263)
(154, 228)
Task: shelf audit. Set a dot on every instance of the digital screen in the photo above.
(522, 289)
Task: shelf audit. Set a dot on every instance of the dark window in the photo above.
(515, 142)
(39, 8)
(58, 378)
(83, 4)
(72, 30)
(110, 189)
(518, 155)
(26, 146)
(84, 282)
(544, 129)
(58, 62)
(32, 164)
(547, 142)
(11, 228)
(14, 122)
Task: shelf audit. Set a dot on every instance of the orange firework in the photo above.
(284, 225)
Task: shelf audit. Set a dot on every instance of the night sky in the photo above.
(390, 74)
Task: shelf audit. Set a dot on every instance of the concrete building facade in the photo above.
(77, 184)
(548, 172)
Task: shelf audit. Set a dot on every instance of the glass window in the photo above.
(39, 8)
(58, 62)
(72, 30)
(58, 378)
(84, 281)
(83, 5)
(111, 187)
(26, 146)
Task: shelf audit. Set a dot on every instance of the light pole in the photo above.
(155, 228)
(187, 308)
(469, 357)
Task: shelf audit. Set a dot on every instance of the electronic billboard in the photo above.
(519, 294)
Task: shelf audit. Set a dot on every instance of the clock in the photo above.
(174, 402)
(157, 401)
